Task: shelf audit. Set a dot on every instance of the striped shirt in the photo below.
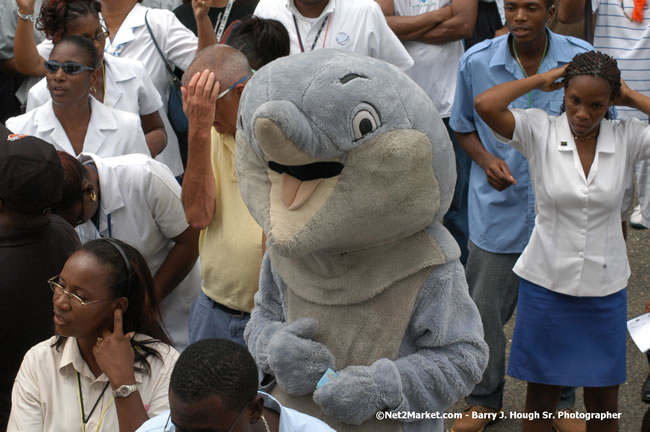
(628, 42)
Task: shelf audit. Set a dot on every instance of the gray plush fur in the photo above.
(362, 277)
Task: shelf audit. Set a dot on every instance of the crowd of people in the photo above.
(137, 224)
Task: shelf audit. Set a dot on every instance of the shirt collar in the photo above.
(111, 196)
(560, 51)
(134, 19)
(604, 144)
(71, 358)
(328, 9)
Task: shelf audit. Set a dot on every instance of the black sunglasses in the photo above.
(70, 68)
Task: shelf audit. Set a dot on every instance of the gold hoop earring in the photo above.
(93, 196)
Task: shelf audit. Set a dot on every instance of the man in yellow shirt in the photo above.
(231, 245)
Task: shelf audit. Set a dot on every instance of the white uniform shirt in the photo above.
(577, 246)
(128, 88)
(352, 25)
(45, 395)
(110, 132)
(177, 43)
(436, 65)
(143, 200)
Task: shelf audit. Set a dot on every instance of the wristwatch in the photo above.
(124, 390)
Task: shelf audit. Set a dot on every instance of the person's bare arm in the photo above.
(154, 132)
(496, 170)
(412, 27)
(179, 262)
(633, 99)
(27, 59)
(205, 32)
(199, 190)
(459, 26)
(570, 11)
(492, 104)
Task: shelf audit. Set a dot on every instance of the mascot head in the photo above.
(338, 153)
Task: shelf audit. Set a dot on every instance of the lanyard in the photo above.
(320, 30)
(514, 49)
(220, 25)
(85, 419)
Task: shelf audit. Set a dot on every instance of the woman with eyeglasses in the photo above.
(137, 199)
(121, 83)
(109, 365)
(73, 121)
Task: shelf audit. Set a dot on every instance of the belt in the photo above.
(226, 309)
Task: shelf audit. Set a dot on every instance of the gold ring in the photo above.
(99, 340)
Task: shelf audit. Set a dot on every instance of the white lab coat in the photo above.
(110, 132)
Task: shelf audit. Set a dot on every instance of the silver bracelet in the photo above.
(25, 17)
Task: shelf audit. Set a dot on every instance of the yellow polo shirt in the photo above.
(231, 246)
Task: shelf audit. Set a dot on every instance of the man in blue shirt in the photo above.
(214, 387)
(501, 202)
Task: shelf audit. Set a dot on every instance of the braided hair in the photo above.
(597, 64)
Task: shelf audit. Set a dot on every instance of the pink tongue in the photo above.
(296, 192)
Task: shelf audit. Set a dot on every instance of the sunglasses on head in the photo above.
(70, 68)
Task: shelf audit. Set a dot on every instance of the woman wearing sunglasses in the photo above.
(138, 200)
(120, 83)
(109, 365)
(134, 31)
(73, 121)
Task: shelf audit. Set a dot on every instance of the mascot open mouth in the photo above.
(300, 181)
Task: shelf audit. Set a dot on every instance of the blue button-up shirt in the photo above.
(501, 222)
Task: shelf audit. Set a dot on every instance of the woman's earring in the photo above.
(93, 196)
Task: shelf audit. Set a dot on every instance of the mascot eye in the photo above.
(365, 121)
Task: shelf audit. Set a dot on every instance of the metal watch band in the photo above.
(26, 17)
(124, 390)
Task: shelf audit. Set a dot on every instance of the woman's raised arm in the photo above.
(28, 60)
(492, 105)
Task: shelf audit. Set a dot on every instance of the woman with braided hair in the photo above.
(571, 319)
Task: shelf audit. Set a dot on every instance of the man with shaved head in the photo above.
(231, 243)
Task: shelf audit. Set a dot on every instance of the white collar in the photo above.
(110, 193)
(329, 8)
(604, 144)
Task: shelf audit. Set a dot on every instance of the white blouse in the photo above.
(45, 396)
(577, 246)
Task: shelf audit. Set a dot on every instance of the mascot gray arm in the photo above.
(442, 356)
(284, 350)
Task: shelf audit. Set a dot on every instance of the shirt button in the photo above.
(583, 231)
(585, 190)
(581, 254)
(584, 210)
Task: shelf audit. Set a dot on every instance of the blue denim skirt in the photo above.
(569, 341)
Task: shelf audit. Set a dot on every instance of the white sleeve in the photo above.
(149, 100)
(638, 138)
(45, 48)
(161, 371)
(26, 413)
(37, 95)
(527, 121)
(178, 42)
(135, 141)
(267, 9)
(163, 198)
(383, 43)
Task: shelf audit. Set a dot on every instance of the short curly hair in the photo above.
(597, 64)
(56, 14)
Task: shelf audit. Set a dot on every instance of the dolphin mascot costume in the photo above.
(346, 165)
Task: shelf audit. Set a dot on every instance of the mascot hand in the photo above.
(358, 392)
(297, 361)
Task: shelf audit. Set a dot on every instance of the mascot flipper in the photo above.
(345, 163)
